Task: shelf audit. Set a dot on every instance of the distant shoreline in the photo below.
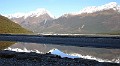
(82, 40)
(60, 35)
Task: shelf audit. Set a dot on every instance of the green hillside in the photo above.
(7, 26)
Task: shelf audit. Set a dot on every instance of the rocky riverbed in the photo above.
(11, 58)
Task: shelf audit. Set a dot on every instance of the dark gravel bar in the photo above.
(11, 58)
(98, 41)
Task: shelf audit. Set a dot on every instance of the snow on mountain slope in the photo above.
(92, 9)
(111, 5)
(36, 13)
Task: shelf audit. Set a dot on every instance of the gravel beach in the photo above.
(11, 58)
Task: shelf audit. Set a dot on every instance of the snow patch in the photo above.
(82, 26)
(45, 21)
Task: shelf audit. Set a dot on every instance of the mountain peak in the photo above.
(113, 4)
(39, 11)
(92, 9)
(36, 13)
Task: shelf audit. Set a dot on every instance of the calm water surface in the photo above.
(100, 54)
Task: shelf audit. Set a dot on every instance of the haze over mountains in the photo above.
(94, 19)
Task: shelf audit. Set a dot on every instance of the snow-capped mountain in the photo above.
(92, 19)
(31, 19)
(36, 13)
(92, 9)
(89, 9)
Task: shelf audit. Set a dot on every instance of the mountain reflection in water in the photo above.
(100, 54)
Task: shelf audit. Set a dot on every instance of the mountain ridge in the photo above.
(92, 9)
(36, 13)
(89, 9)
(8, 26)
(97, 19)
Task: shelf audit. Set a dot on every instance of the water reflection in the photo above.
(5, 44)
(84, 52)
